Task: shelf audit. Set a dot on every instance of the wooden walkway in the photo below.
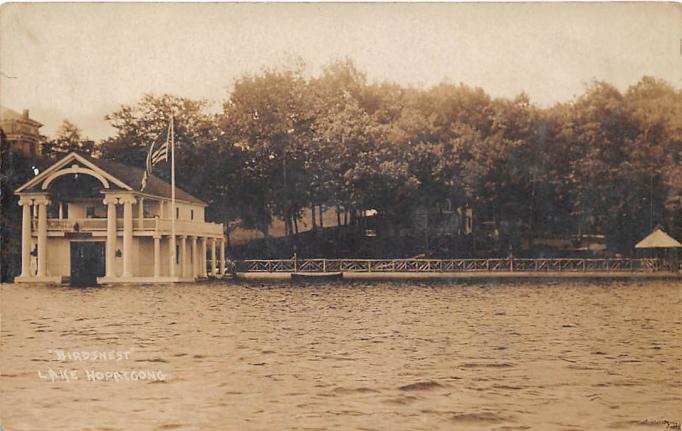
(426, 266)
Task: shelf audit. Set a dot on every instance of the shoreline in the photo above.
(472, 276)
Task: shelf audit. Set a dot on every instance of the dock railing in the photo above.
(453, 265)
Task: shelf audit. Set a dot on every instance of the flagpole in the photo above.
(171, 131)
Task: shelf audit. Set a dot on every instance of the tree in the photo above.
(139, 125)
(342, 128)
(271, 119)
(69, 138)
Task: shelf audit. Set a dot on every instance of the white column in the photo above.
(221, 253)
(171, 255)
(214, 270)
(42, 236)
(183, 255)
(140, 213)
(61, 210)
(128, 236)
(25, 237)
(110, 251)
(157, 256)
(202, 258)
(195, 258)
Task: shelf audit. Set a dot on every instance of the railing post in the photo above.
(511, 264)
(324, 265)
(369, 266)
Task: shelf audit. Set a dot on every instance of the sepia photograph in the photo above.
(340, 216)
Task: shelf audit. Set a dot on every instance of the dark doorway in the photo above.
(87, 262)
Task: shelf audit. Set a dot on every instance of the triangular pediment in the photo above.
(658, 239)
(73, 163)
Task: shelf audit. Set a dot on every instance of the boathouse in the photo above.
(85, 221)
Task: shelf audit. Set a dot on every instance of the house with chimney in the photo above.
(22, 133)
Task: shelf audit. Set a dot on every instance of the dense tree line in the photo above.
(607, 162)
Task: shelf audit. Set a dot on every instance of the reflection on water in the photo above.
(353, 356)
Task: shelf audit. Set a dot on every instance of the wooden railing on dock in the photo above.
(452, 265)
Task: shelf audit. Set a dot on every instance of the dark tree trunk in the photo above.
(312, 217)
(227, 235)
(321, 217)
(295, 224)
(287, 227)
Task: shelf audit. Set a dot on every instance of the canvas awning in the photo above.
(658, 239)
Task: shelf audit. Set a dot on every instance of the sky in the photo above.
(81, 61)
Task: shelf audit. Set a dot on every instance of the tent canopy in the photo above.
(658, 239)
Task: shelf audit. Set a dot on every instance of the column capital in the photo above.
(32, 198)
(25, 201)
(127, 199)
(119, 197)
(41, 200)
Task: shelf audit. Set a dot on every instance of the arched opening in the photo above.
(66, 189)
(76, 196)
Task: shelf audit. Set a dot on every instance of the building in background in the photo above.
(22, 133)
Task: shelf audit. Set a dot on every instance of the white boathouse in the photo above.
(84, 221)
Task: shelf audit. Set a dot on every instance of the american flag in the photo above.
(156, 155)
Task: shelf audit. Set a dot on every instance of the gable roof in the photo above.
(133, 177)
(121, 177)
(658, 239)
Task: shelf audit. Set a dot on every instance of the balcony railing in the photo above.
(147, 225)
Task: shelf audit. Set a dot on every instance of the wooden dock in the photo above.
(462, 269)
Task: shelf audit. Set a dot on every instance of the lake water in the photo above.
(347, 356)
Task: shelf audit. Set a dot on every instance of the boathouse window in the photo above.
(90, 212)
(191, 214)
(177, 254)
(177, 213)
